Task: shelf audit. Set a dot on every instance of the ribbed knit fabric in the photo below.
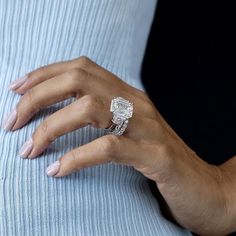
(105, 200)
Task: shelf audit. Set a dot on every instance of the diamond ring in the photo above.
(122, 110)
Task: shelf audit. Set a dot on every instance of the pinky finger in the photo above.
(96, 152)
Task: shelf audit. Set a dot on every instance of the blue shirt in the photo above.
(104, 200)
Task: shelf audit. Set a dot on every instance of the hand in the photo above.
(191, 187)
(93, 87)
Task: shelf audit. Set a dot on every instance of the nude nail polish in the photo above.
(53, 168)
(10, 120)
(18, 82)
(26, 148)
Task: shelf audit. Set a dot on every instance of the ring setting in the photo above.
(122, 110)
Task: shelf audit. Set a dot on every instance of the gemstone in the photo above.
(121, 108)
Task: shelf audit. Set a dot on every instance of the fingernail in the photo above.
(53, 168)
(26, 148)
(18, 82)
(10, 120)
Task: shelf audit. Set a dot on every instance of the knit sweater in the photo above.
(103, 200)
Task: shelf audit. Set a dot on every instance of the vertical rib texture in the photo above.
(104, 200)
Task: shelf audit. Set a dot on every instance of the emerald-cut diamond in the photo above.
(122, 109)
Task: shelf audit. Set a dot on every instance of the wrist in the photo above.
(206, 205)
(227, 181)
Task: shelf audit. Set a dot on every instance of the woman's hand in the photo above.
(192, 189)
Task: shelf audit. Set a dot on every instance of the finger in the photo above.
(102, 150)
(70, 84)
(39, 75)
(80, 113)
(46, 72)
(148, 159)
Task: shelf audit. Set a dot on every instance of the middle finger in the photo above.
(73, 83)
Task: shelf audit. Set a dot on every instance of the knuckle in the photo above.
(83, 62)
(44, 126)
(46, 132)
(90, 106)
(76, 73)
(76, 77)
(28, 100)
(29, 96)
(73, 158)
(92, 103)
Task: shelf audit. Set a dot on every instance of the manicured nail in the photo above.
(26, 148)
(53, 168)
(18, 82)
(10, 120)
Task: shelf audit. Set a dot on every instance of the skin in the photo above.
(201, 197)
